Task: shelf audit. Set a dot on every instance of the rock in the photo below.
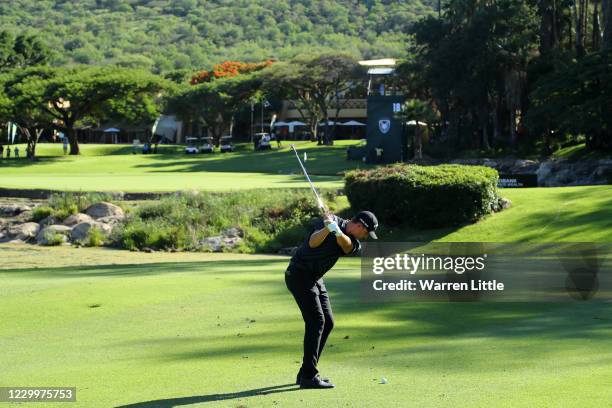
(104, 209)
(110, 219)
(75, 219)
(43, 236)
(50, 220)
(215, 244)
(233, 232)
(504, 203)
(79, 232)
(231, 242)
(287, 251)
(24, 232)
(15, 241)
(13, 209)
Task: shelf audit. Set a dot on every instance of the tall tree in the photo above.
(78, 95)
(318, 85)
(23, 102)
(215, 103)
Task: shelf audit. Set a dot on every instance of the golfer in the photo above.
(331, 238)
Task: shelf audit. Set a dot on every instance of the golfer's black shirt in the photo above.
(313, 263)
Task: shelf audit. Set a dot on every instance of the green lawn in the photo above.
(112, 168)
(189, 329)
(169, 330)
(563, 214)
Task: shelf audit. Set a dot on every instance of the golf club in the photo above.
(322, 207)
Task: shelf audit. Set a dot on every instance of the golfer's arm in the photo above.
(317, 237)
(345, 243)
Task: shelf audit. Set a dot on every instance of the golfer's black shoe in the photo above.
(315, 382)
(298, 379)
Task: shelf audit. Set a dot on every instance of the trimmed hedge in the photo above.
(424, 196)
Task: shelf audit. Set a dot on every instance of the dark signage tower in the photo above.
(386, 141)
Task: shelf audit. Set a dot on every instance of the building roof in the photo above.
(385, 62)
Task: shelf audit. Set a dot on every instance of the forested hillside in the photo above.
(164, 35)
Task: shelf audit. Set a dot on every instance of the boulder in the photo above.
(231, 242)
(80, 231)
(25, 231)
(232, 232)
(11, 210)
(215, 244)
(50, 220)
(504, 203)
(110, 220)
(104, 209)
(43, 235)
(75, 219)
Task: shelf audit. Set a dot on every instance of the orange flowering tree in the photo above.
(228, 69)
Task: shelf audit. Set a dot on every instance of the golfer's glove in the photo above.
(334, 229)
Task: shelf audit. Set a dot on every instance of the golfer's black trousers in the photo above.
(313, 301)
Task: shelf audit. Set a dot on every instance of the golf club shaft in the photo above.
(314, 190)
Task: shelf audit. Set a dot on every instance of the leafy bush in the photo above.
(269, 220)
(41, 212)
(62, 213)
(54, 238)
(95, 237)
(427, 197)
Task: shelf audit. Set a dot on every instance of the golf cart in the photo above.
(263, 141)
(192, 145)
(207, 145)
(225, 144)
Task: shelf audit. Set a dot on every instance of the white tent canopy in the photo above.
(280, 123)
(296, 123)
(329, 122)
(112, 130)
(352, 123)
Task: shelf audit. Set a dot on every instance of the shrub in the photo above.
(95, 237)
(41, 212)
(269, 219)
(64, 212)
(54, 238)
(426, 197)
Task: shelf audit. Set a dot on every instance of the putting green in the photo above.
(163, 330)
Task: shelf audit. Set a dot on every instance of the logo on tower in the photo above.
(384, 125)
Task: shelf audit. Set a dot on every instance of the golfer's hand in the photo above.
(333, 228)
(328, 219)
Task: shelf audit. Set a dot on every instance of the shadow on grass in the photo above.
(149, 269)
(321, 161)
(175, 402)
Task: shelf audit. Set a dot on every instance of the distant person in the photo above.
(8, 152)
(16, 152)
(1, 152)
(65, 143)
(155, 148)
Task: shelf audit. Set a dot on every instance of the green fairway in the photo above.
(166, 330)
(113, 167)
